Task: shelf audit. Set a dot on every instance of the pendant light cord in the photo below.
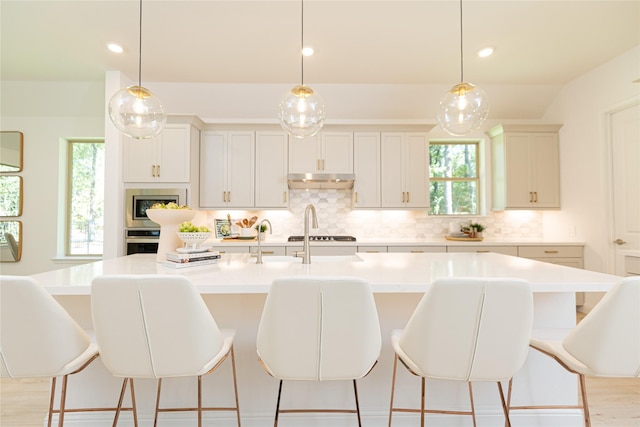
(301, 41)
(461, 50)
(140, 48)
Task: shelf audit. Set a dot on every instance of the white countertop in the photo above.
(387, 272)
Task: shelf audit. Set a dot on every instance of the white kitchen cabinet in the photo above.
(526, 166)
(328, 152)
(570, 256)
(271, 170)
(227, 169)
(417, 249)
(505, 250)
(404, 170)
(164, 158)
(366, 167)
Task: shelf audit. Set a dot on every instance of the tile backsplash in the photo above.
(336, 217)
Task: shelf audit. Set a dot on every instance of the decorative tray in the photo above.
(464, 239)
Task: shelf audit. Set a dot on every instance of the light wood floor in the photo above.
(612, 402)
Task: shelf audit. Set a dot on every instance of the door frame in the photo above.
(610, 214)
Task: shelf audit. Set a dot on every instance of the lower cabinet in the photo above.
(416, 249)
(323, 250)
(505, 250)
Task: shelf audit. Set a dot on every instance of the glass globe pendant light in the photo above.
(134, 110)
(464, 107)
(301, 110)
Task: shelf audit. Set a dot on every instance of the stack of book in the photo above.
(184, 260)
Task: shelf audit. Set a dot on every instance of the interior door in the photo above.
(625, 146)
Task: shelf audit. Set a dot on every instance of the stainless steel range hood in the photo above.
(320, 180)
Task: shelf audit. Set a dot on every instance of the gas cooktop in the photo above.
(323, 238)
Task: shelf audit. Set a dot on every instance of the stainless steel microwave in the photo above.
(138, 200)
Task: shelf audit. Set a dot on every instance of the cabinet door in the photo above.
(139, 159)
(172, 154)
(416, 161)
(240, 169)
(518, 171)
(366, 166)
(271, 170)
(545, 172)
(392, 176)
(213, 169)
(337, 152)
(304, 155)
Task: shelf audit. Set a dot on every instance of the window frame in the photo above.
(477, 179)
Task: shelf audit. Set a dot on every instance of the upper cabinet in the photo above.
(164, 158)
(271, 170)
(366, 166)
(328, 152)
(405, 170)
(227, 169)
(526, 167)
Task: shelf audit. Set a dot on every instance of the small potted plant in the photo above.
(262, 229)
(476, 230)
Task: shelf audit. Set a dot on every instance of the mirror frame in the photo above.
(19, 248)
(20, 195)
(4, 141)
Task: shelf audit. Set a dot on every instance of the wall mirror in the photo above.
(11, 151)
(10, 241)
(11, 190)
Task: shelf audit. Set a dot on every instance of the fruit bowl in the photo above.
(192, 240)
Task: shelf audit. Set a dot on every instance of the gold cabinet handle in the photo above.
(535, 196)
(417, 251)
(408, 197)
(224, 196)
(403, 197)
(530, 197)
(550, 252)
(373, 252)
(619, 242)
(318, 164)
(356, 195)
(157, 170)
(284, 196)
(267, 252)
(153, 170)
(322, 164)
(482, 252)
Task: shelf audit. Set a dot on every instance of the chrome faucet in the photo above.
(306, 252)
(259, 259)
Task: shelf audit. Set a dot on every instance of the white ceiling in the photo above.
(545, 43)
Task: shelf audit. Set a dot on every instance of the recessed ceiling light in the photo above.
(115, 47)
(307, 51)
(487, 51)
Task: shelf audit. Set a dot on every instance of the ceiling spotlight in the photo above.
(115, 47)
(307, 51)
(487, 51)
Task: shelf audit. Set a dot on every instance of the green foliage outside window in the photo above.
(454, 182)
(86, 198)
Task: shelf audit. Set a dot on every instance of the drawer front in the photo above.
(632, 265)
(231, 249)
(372, 249)
(550, 251)
(416, 249)
(567, 262)
(505, 250)
(323, 250)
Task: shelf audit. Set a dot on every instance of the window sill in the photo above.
(77, 259)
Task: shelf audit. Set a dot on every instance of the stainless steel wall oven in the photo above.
(142, 234)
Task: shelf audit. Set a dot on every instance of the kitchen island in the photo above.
(235, 290)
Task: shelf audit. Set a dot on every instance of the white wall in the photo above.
(48, 111)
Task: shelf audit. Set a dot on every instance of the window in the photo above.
(454, 183)
(85, 198)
